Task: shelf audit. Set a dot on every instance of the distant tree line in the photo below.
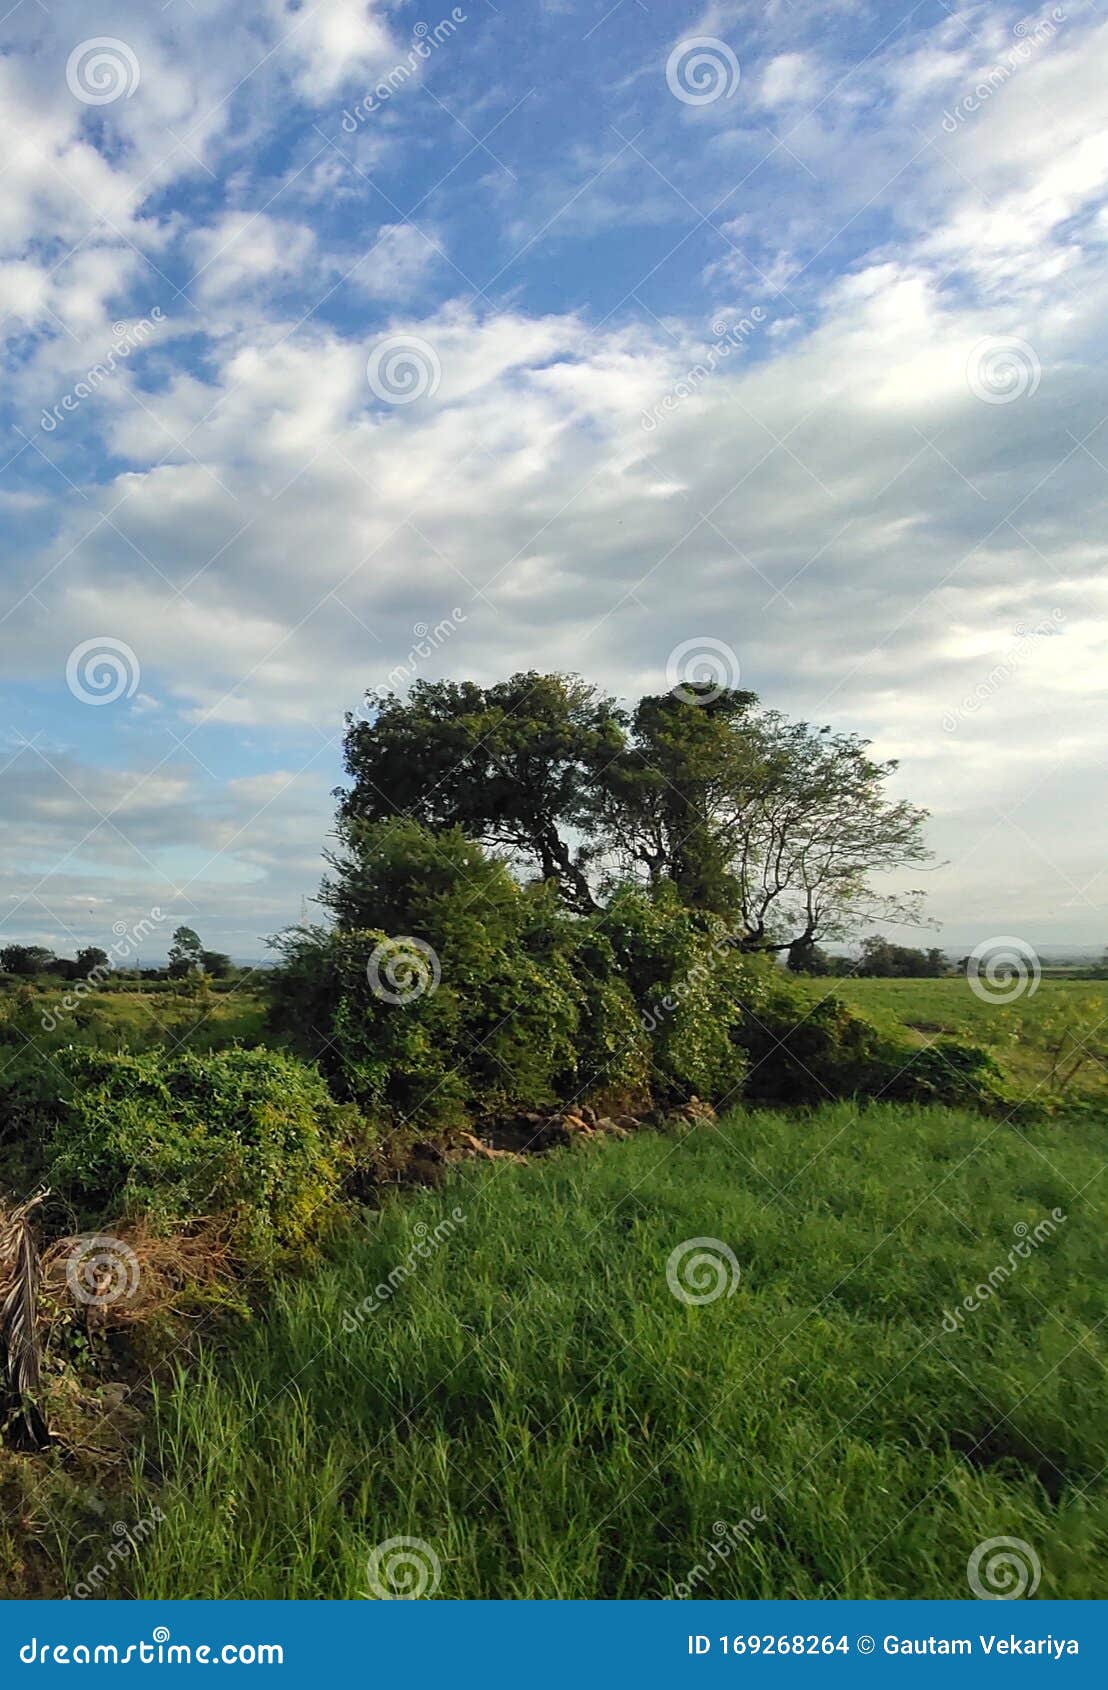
(878, 957)
(187, 956)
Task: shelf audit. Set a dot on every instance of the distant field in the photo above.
(109, 1019)
(537, 1408)
(1020, 1035)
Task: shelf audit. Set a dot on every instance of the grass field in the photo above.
(1020, 1035)
(538, 1409)
(136, 1020)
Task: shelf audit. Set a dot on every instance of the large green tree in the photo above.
(515, 765)
(782, 828)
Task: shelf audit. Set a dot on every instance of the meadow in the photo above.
(1034, 1039)
(546, 1418)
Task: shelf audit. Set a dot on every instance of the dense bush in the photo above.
(805, 1052)
(944, 1072)
(449, 995)
(250, 1135)
(480, 998)
(686, 981)
(802, 1052)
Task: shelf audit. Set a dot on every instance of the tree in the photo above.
(776, 826)
(217, 964)
(661, 794)
(185, 953)
(91, 960)
(514, 765)
(881, 957)
(26, 960)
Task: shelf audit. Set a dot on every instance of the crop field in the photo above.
(536, 1403)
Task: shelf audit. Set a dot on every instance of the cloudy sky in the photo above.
(350, 341)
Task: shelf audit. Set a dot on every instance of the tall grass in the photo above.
(535, 1405)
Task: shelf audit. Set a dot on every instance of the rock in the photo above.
(476, 1147)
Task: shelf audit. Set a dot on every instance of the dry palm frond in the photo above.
(20, 1352)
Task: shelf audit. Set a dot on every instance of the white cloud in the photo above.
(244, 249)
(790, 78)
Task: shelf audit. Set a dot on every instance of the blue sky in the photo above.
(579, 333)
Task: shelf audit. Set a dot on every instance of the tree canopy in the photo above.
(779, 827)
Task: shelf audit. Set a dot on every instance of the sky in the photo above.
(350, 343)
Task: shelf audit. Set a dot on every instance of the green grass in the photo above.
(1018, 1034)
(536, 1406)
(113, 1020)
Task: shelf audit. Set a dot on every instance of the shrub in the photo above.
(507, 1004)
(251, 1135)
(685, 979)
(802, 1052)
(503, 1003)
(944, 1072)
(506, 1028)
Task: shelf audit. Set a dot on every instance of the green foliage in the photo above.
(685, 977)
(946, 1072)
(511, 764)
(25, 960)
(776, 825)
(805, 1053)
(519, 1005)
(185, 953)
(250, 1135)
(880, 957)
(481, 999)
